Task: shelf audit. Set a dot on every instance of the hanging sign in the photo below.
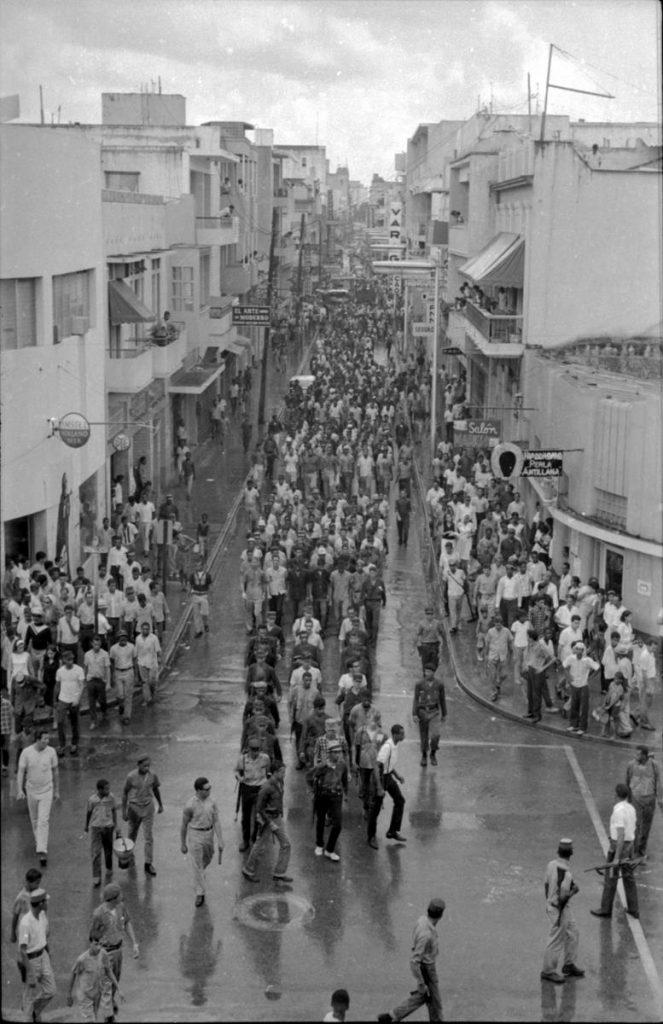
(506, 460)
(542, 463)
(251, 315)
(478, 433)
(120, 442)
(74, 430)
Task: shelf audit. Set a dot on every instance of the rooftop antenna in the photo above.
(565, 88)
(41, 103)
(159, 85)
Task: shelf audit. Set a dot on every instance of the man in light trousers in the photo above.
(200, 823)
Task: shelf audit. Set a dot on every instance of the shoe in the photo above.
(373, 843)
(558, 979)
(479, 657)
(424, 761)
(601, 913)
(93, 725)
(73, 752)
(494, 696)
(552, 711)
(536, 719)
(384, 1017)
(571, 971)
(299, 767)
(571, 728)
(199, 901)
(633, 913)
(528, 715)
(244, 847)
(397, 837)
(648, 726)
(282, 878)
(207, 629)
(43, 860)
(580, 732)
(319, 851)
(331, 856)
(96, 882)
(433, 759)
(250, 875)
(150, 870)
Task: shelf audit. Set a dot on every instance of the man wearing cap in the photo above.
(425, 949)
(559, 887)
(110, 920)
(643, 778)
(123, 674)
(330, 784)
(621, 849)
(429, 710)
(578, 667)
(428, 639)
(39, 983)
(200, 823)
(141, 789)
(269, 818)
(373, 597)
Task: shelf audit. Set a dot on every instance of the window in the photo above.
(18, 326)
(122, 181)
(611, 509)
(183, 289)
(71, 299)
(303, 161)
(204, 278)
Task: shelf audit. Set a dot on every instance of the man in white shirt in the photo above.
(39, 980)
(38, 781)
(569, 636)
(389, 779)
(612, 613)
(146, 513)
(507, 596)
(148, 660)
(69, 684)
(622, 839)
(578, 668)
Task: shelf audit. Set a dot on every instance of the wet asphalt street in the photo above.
(480, 828)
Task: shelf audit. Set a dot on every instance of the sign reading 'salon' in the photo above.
(479, 433)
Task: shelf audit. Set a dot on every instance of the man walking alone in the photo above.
(425, 949)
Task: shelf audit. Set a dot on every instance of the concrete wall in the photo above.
(594, 250)
(142, 108)
(132, 227)
(51, 224)
(163, 169)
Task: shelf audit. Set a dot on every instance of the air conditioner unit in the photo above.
(80, 325)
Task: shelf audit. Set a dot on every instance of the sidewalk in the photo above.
(471, 674)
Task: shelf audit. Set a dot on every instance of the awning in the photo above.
(246, 343)
(501, 262)
(125, 306)
(194, 381)
(234, 347)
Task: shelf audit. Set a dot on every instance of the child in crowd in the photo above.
(484, 622)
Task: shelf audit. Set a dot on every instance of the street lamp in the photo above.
(413, 270)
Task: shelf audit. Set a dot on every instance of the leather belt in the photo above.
(37, 952)
(113, 947)
(195, 829)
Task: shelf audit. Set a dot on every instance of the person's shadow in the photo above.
(199, 954)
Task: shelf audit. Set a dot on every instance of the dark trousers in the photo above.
(644, 812)
(276, 602)
(416, 999)
(403, 526)
(509, 611)
(534, 692)
(96, 694)
(372, 621)
(328, 804)
(429, 654)
(249, 796)
(64, 712)
(611, 878)
(579, 713)
(101, 842)
(393, 789)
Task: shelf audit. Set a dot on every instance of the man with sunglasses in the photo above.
(200, 823)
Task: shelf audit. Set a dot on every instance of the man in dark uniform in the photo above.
(428, 639)
(330, 783)
(269, 816)
(429, 710)
(373, 596)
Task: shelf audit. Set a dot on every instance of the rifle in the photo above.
(627, 862)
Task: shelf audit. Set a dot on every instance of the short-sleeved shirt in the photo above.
(388, 756)
(109, 923)
(101, 808)
(36, 768)
(204, 815)
(147, 649)
(623, 816)
(97, 664)
(579, 669)
(123, 657)
(140, 788)
(89, 971)
(72, 681)
(33, 931)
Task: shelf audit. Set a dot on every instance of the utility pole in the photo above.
(302, 230)
(265, 347)
(545, 97)
(529, 106)
(41, 103)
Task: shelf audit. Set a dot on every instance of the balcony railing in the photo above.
(217, 230)
(280, 193)
(129, 366)
(495, 327)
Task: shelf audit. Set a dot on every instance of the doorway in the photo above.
(613, 568)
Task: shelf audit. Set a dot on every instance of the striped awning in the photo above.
(124, 305)
(501, 262)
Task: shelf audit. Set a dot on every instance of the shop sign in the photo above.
(74, 429)
(479, 433)
(643, 588)
(258, 315)
(542, 463)
(422, 330)
(506, 460)
(120, 442)
(452, 350)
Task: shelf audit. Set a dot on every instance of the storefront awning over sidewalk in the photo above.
(501, 262)
(124, 305)
(194, 381)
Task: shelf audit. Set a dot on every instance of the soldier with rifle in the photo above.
(560, 888)
(620, 860)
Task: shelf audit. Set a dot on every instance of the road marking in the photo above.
(642, 946)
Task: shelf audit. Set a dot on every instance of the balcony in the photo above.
(280, 192)
(129, 367)
(168, 355)
(217, 230)
(494, 327)
(458, 239)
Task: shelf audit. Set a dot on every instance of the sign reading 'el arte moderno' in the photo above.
(257, 315)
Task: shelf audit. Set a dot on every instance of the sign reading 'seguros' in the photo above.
(74, 429)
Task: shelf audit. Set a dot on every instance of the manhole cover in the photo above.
(274, 912)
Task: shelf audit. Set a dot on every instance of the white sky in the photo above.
(358, 76)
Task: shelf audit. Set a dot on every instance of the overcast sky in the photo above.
(357, 76)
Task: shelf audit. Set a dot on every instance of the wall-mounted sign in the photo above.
(452, 350)
(643, 587)
(506, 460)
(74, 429)
(478, 433)
(542, 463)
(120, 442)
(420, 330)
(258, 315)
